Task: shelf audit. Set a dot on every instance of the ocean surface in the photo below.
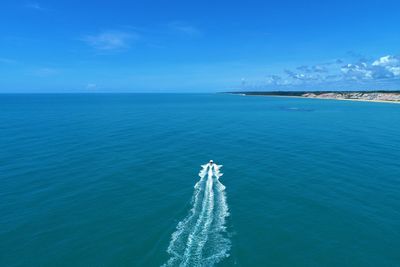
(115, 180)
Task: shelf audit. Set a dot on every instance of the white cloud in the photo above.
(276, 80)
(395, 71)
(386, 67)
(44, 72)
(358, 71)
(303, 76)
(111, 40)
(381, 70)
(35, 6)
(185, 29)
(7, 60)
(389, 63)
(91, 86)
(312, 69)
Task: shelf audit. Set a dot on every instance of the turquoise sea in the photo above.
(109, 180)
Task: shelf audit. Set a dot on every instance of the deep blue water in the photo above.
(105, 179)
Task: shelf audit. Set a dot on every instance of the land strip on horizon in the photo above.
(375, 96)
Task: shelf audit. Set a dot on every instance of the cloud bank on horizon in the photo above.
(363, 72)
(179, 46)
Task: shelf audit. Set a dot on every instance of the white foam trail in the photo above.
(221, 243)
(182, 225)
(198, 235)
(200, 239)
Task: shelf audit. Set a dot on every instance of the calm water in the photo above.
(104, 180)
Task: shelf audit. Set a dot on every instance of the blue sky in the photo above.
(198, 46)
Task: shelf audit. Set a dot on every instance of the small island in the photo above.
(374, 96)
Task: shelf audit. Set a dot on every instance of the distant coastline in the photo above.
(368, 96)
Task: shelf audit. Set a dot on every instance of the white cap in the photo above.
(211, 161)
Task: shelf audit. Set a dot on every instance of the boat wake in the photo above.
(200, 238)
